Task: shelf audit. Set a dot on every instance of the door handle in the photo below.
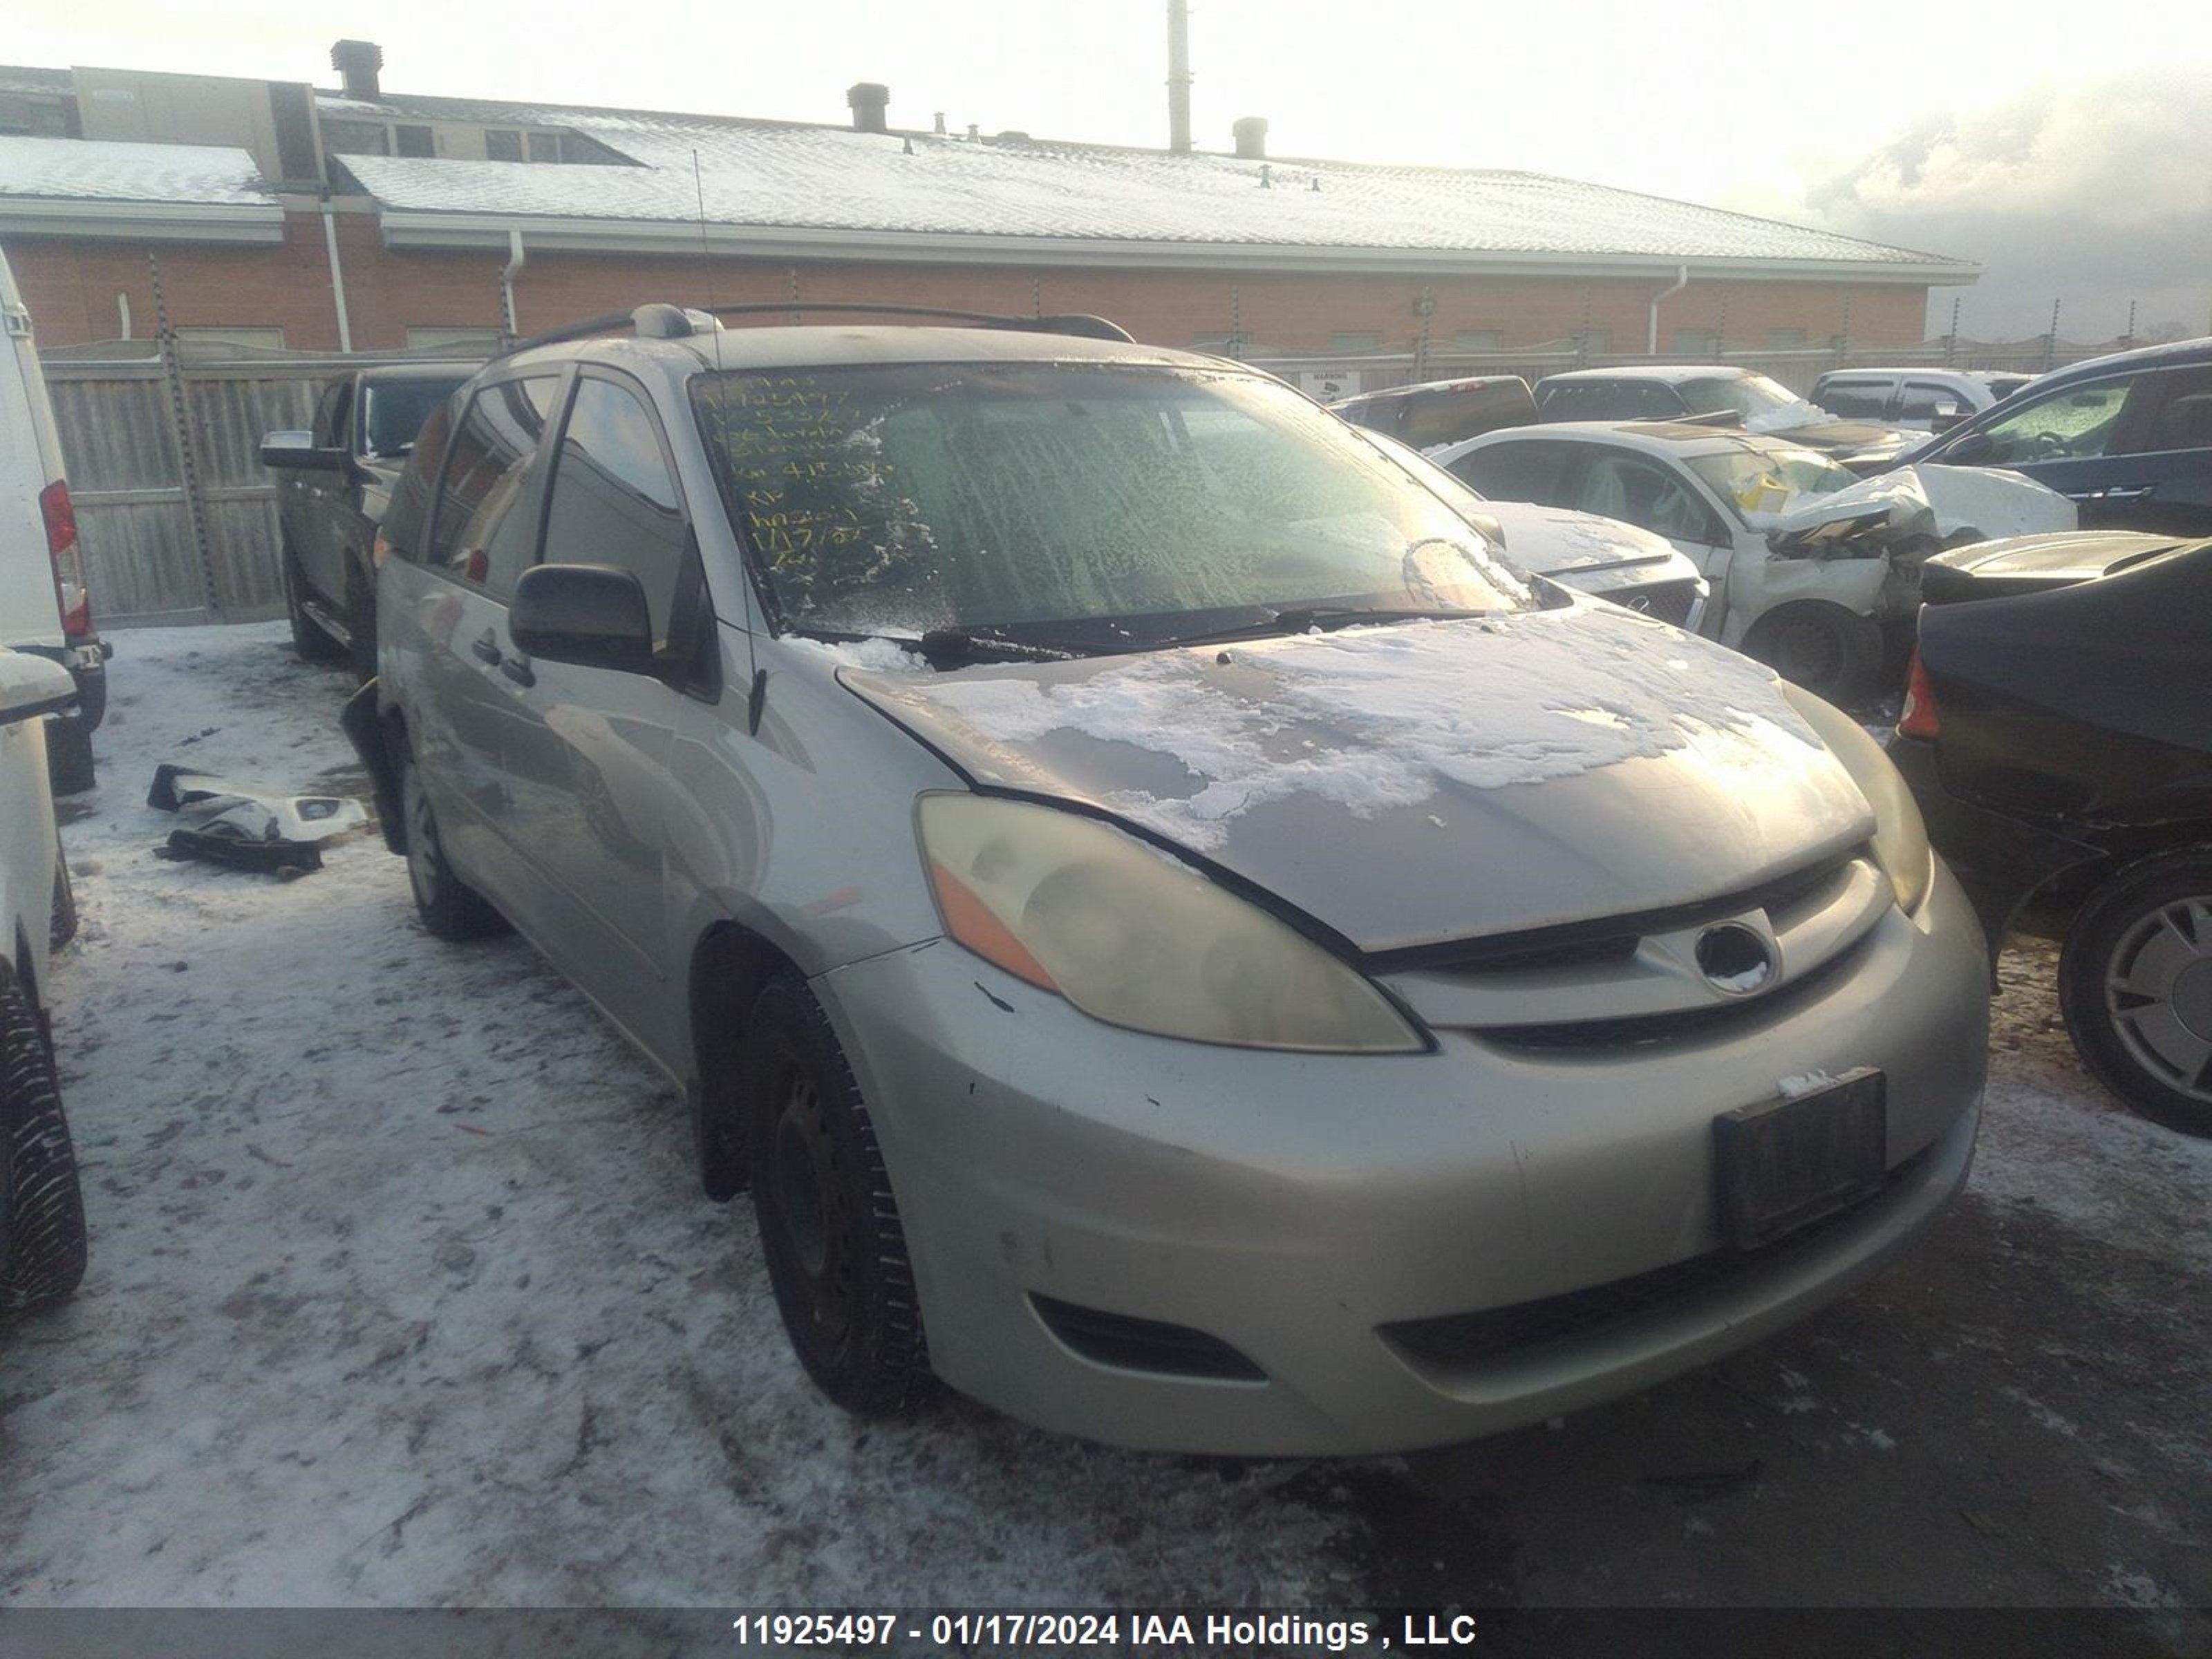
(517, 670)
(487, 648)
(2128, 492)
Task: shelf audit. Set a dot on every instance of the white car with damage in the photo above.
(1809, 566)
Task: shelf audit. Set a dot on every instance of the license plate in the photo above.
(1785, 1163)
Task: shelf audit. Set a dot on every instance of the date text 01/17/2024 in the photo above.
(1168, 1632)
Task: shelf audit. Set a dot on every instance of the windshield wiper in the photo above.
(1297, 618)
(972, 645)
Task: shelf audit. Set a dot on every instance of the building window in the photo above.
(1591, 339)
(1356, 340)
(1479, 339)
(416, 141)
(437, 336)
(502, 146)
(1781, 339)
(1696, 342)
(356, 138)
(544, 146)
(253, 336)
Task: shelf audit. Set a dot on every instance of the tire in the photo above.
(69, 767)
(63, 926)
(92, 695)
(2135, 986)
(449, 906)
(308, 639)
(361, 619)
(1826, 649)
(42, 1242)
(828, 1225)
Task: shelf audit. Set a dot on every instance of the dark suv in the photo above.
(2128, 438)
(334, 482)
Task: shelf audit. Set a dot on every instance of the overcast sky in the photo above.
(2068, 147)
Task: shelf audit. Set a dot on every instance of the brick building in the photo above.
(283, 215)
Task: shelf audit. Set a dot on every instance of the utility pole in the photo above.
(2051, 340)
(1179, 77)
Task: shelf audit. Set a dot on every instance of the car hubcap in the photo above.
(2158, 989)
(808, 1198)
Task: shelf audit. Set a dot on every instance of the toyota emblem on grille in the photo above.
(1735, 960)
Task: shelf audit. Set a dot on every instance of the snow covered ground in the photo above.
(402, 1293)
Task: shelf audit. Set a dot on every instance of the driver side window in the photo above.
(2076, 424)
(1635, 491)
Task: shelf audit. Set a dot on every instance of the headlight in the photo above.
(1134, 938)
(1900, 837)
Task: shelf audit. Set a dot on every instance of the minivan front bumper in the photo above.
(1329, 1218)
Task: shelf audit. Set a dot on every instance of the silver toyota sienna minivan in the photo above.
(1184, 943)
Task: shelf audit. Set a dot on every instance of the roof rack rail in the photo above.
(659, 321)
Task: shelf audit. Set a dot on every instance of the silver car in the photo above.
(1183, 943)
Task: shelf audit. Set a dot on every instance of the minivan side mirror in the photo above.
(592, 615)
(31, 686)
(1974, 446)
(297, 451)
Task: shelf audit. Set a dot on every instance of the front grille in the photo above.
(1670, 602)
(1527, 1326)
(1575, 944)
(1144, 1344)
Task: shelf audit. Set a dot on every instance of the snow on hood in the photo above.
(1549, 541)
(1425, 780)
(1942, 502)
(1789, 417)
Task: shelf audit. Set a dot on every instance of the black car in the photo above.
(334, 482)
(1439, 412)
(2057, 732)
(2128, 438)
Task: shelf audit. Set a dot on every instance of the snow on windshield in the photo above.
(1374, 719)
(1766, 405)
(899, 498)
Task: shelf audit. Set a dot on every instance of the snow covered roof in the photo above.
(81, 187)
(818, 188)
(77, 169)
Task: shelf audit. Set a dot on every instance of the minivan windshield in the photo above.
(1096, 506)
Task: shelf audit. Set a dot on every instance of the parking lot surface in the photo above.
(403, 1293)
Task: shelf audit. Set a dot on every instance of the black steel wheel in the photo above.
(2134, 985)
(828, 1223)
(1829, 650)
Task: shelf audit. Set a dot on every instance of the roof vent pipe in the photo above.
(1251, 139)
(357, 63)
(869, 100)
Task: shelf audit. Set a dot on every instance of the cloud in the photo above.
(2094, 195)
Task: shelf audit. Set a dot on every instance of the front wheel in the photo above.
(309, 642)
(2135, 986)
(449, 906)
(828, 1225)
(1833, 652)
(42, 1242)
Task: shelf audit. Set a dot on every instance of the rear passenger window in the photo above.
(1921, 401)
(1517, 472)
(615, 500)
(1863, 400)
(476, 536)
(2184, 420)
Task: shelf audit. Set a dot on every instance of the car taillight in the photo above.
(378, 551)
(1919, 718)
(59, 513)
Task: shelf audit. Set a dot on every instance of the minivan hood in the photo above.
(1424, 783)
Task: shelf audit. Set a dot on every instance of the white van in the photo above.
(45, 609)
